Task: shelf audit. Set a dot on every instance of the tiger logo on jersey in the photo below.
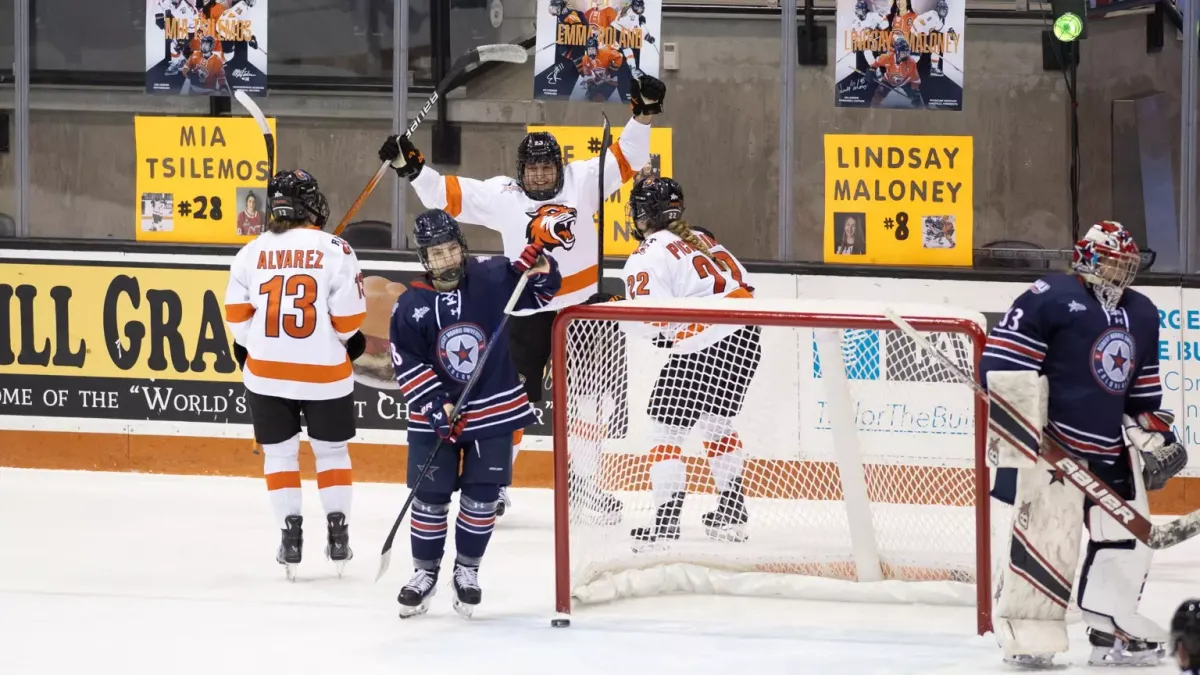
(551, 225)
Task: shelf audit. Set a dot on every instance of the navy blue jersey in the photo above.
(1100, 364)
(438, 339)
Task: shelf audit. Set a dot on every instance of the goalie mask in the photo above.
(441, 248)
(861, 9)
(654, 203)
(540, 166)
(296, 199)
(1107, 258)
(1185, 635)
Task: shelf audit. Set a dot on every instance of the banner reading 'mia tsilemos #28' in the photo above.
(900, 54)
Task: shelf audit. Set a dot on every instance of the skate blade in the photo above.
(645, 546)
(409, 612)
(1038, 663)
(464, 610)
(290, 570)
(730, 533)
(1103, 658)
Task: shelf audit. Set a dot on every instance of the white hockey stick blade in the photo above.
(504, 52)
(251, 107)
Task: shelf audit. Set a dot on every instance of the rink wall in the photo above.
(116, 358)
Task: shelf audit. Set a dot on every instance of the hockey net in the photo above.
(861, 456)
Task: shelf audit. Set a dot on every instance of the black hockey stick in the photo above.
(1155, 536)
(482, 54)
(252, 108)
(385, 556)
(605, 144)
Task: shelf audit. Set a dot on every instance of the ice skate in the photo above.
(503, 503)
(291, 546)
(338, 548)
(665, 528)
(599, 507)
(466, 590)
(728, 521)
(414, 598)
(936, 70)
(1032, 661)
(1108, 650)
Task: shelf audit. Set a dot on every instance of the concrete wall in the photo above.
(723, 105)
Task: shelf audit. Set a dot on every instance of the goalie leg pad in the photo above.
(1116, 566)
(1017, 413)
(1035, 585)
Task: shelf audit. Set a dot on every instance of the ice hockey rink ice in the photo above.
(164, 575)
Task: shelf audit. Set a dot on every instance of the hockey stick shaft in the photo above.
(269, 138)
(1154, 536)
(385, 556)
(605, 144)
(481, 54)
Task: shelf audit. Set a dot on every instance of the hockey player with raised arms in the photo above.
(548, 203)
(704, 382)
(1074, 361)
(440, 328)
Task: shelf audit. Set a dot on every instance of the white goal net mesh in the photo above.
(855, 450)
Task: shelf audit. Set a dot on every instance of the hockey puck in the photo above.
(560, 623)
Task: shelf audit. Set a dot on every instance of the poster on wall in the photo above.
(206, 47)
(199, 180)
(900, 54)
(899, 200)
(583, 143)
(591, 50)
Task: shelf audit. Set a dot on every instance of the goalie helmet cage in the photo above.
(881, 477)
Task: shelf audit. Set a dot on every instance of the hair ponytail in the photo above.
(681, 229)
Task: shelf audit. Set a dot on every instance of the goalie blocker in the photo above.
(1081, 331)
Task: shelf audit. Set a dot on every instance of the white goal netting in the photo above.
(855, 451)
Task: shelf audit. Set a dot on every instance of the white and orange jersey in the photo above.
(665, 266)
(210, 71)
(565, 225)
(292, 301)
(928, 22)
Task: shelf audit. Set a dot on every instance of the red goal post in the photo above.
(846, 500)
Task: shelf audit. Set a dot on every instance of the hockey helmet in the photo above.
(1107, 258)
(638, 6)
(861, 9)
(1185, 635)
(656, 202)
(296, 199)
(432, 230)
(942, 8)
(540, 147)
(558, 7)
(207, 45)
(592, 46)
(901, 48)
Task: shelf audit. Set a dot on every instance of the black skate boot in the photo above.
(503, 503)
(1109, 650)
(292, 545)
(728, 521)
(665, 529)
(596, 505)
(466, 589)
(338, 548)
(415, 596)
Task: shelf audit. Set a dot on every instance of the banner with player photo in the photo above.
(206, 47)
(591, 50)
(582, 143)
(200, 180)
(900, 54)
(899, 200)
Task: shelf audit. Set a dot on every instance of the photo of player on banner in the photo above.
(591, 50)
(206, 47)
(900, 54)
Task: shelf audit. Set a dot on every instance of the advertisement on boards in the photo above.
(206, 47)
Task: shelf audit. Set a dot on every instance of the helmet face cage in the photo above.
(656, 200)
(295, 197)
(540, 147)
(1108, 259)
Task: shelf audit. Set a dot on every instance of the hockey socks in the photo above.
(281, 465)
(725, 459)
(476, 519)
(333, 476)
(428, 530)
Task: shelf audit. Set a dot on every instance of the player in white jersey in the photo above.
(632, 22)
(934, 21)
(705, 379)
(294, 304)
(541, 205)
(866, 18)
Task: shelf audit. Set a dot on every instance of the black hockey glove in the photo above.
(253, 42)
(160, 20)
(597, 298)
(405, 158)
(650, 39)
(646, 95)
(240, 354)
(356, 345)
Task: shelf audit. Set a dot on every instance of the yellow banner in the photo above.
(584, 143)
(200, 180)
(899, 200)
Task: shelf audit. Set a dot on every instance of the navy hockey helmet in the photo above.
(901, 48)
(434, 228)
(558, 7)
(861, 9)
(592, 46)
(657, 202)
(540, 147)
(207, 44)
(296, 199)
(1185, 635)
(942, 8)
(638, 6)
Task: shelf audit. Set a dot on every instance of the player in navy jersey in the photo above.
(440, 329)
(1091, 345)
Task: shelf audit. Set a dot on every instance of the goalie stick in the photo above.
(1155, 536)
(385, 556)
(481, 54)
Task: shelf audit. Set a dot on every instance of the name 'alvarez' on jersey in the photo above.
(564, 224)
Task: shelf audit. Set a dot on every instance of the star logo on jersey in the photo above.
(1076, 306)
(459, 349)
(1112, 359)
(419, 313)
(1057, 476)
(553, 226)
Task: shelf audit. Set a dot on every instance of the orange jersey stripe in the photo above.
(334, 478)
(578, 281)
(243, 311)
(299, 372)
(283, 479)
(347, 324)
(453, 196)
(627, 171)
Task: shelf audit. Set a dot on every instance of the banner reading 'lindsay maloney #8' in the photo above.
(900, 54)
(200, 180)
(591, 50)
